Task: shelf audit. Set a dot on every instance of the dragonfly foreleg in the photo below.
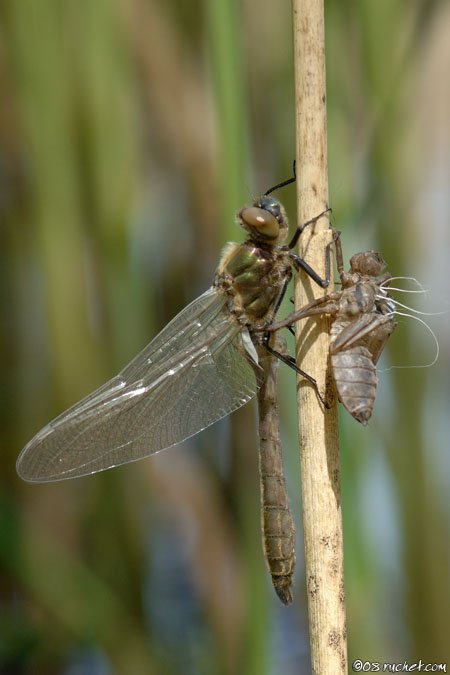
(300, 228)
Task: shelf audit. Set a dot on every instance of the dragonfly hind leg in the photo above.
(290, 361)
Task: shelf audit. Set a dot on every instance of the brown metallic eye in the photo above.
(261, 220)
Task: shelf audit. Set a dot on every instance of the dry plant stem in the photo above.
(319, 451)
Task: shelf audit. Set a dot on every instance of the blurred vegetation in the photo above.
(130, 133)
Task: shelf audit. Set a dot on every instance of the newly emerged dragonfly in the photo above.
(362, 320)
(211, 359)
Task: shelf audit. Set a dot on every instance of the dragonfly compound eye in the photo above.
(260, 222)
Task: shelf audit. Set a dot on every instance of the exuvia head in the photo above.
(368, 263)
(265, 220)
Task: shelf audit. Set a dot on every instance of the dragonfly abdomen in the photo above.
(279, 544)
(278, 528)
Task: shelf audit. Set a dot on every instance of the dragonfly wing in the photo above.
(196, 371)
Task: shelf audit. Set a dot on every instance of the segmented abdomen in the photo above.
(278, 529)
(356, 379)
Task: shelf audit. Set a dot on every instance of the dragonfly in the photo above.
(211, 359)
(362, 321)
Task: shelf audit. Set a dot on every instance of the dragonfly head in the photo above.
(265, 220)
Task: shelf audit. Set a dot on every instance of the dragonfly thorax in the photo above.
(253, 276)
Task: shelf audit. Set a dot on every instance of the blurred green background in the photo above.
(130, 133)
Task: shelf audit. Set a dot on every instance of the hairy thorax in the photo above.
(253, 276)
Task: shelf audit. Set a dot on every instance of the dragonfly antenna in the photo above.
(284, 183)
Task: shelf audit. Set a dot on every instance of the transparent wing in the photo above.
(193, 373)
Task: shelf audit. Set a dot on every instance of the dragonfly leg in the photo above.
(339, 254)
(281, 295)
(300, 228)
(326, 305)
(291, 362)
(299, 264)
